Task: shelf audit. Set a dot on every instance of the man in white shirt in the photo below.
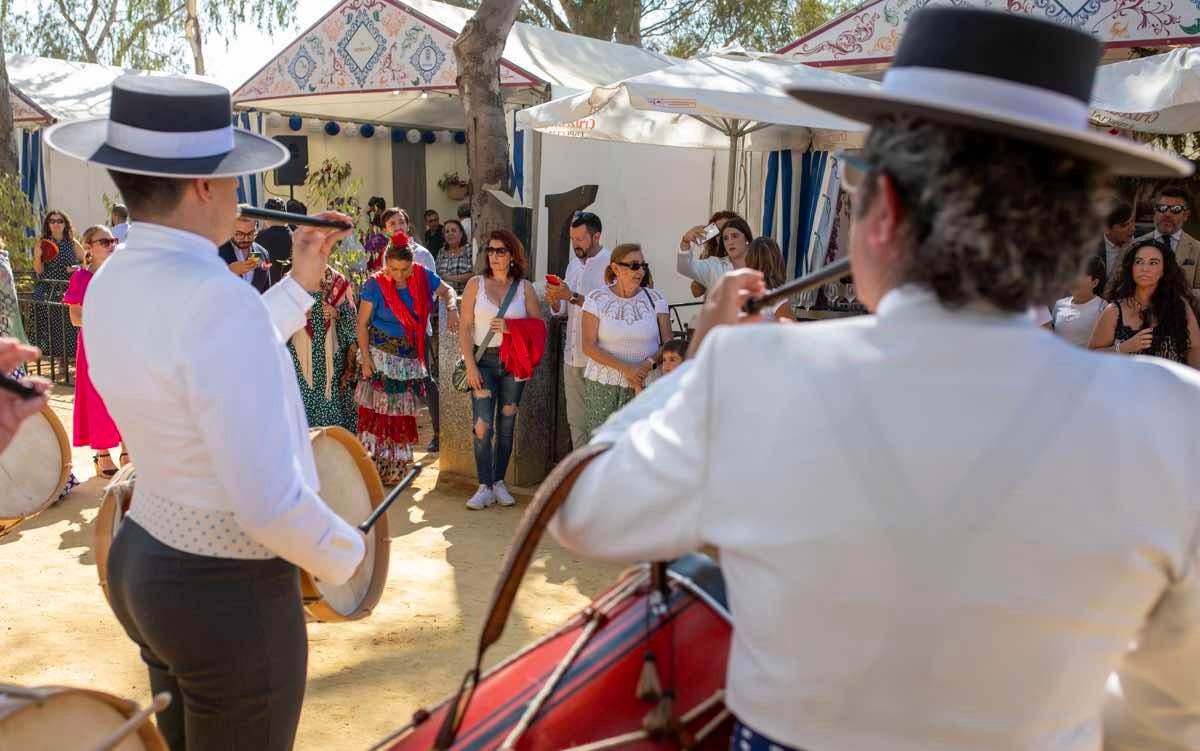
(1172, 209)
(119, 221)
(585, 273)
(192, 365)
(949, 567)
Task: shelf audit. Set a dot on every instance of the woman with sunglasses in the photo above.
(624, 326)
(495, 390)
(52, 329)
(1151, 311)
(93, 425)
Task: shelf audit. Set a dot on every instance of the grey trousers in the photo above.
(224, 637)
(573, 392)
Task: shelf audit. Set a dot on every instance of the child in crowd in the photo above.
(673, 353)
(1075, 315)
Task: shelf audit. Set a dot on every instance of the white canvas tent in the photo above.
(712, 101)
(1158, 94)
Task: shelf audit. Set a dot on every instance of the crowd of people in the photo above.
(1137, 295)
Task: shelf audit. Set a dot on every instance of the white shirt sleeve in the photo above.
(287, 305)
(703, 270)
(1153, 699)
(238, 394)
(643, 499)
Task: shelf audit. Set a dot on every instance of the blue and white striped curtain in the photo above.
(33, 169)
(799, 208)
(250, 187)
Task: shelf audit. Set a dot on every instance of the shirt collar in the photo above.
(161, 237)
(599, 253)
(915, 296)
(1158, 235)
(1109, 244)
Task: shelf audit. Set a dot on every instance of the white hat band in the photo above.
(960, 90)
(161, 145)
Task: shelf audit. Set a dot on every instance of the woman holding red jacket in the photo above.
(514, 340)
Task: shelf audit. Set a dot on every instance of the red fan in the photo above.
(49, 249)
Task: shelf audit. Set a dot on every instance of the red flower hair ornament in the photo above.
(399, 240)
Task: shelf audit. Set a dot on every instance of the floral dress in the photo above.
(319, 352)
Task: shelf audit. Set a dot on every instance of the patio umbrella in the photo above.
(1158, 94)
(725, 100)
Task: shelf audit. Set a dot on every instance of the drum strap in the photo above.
(551, 494)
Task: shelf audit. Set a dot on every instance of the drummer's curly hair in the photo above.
(991, 219)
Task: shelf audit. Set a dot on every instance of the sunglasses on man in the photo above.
(1174, 208)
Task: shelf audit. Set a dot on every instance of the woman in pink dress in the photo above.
(93, 425)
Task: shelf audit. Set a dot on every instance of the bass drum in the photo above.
(595, 699)
(33, 469)
(113, 506)
(57, 718)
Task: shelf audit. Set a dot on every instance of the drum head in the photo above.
(351, 487)
(68, 718)
(35, 466)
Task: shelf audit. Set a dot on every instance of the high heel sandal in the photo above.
(96, 465)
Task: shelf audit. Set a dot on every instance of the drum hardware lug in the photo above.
(420, 716)
(657, 604)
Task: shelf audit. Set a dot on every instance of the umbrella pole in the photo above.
(734, 138)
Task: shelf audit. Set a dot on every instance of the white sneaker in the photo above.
(503, 497)
(482, 498)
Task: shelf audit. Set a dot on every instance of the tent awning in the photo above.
(1159, 94)
(866, 37)
(26, 112)
(393, 63)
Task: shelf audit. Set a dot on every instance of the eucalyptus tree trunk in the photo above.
(477, 51)
(8, 144)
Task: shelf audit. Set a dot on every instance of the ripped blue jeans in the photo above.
(494, 415)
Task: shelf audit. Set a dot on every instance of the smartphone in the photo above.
(710, 232)
(552, 279)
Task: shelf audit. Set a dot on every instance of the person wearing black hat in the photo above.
(276, 237)
(947, 566)
(192, 365)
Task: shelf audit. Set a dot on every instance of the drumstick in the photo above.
(834, 270)
(253, 212)
(161, 702)
(18, 388)
(391, 497)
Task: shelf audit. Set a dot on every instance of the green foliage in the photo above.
(146, 34)
(18, 222)
(330, 185)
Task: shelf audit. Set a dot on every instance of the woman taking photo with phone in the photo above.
(624, 326)
(1151, 311)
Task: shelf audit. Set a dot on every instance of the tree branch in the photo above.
(140, 27)
(89, 52)
(546, 8)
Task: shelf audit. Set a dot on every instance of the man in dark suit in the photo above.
(245, 257)
(276, 237)
(1118, 232)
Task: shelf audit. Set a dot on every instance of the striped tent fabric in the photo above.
(799, 208)
(250, 187)
(33, 169)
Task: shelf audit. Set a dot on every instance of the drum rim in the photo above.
(64, 447)
(315, 602)
(147, 732)
(102, 532)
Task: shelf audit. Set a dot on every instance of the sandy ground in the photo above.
(364, 678)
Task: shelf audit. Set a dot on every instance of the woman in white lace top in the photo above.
(624, 326)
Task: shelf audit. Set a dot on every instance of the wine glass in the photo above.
(851, 295)
(831, 294)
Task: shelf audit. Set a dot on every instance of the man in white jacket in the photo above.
(934, 532)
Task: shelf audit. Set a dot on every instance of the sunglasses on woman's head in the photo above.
(634, 266)
(494, 250)
(1163, 208)
(107, 242)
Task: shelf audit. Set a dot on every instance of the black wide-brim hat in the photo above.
(1003, 73)
(168, 126)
